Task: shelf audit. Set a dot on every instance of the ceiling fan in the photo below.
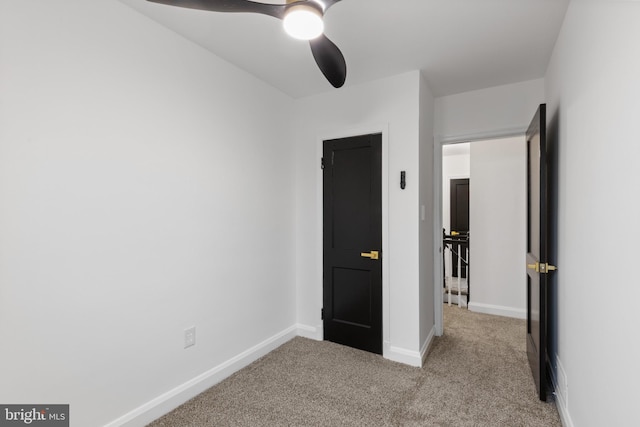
(302, 19)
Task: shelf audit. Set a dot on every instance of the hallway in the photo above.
(477, 374)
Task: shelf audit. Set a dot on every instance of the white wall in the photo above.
(146, 186)
(390, 105)
(487, 113)
(593, 94)
(427, 215)
(498, 221)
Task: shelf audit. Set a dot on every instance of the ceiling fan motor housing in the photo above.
(303, 19)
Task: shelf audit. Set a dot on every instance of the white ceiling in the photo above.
(459, 45)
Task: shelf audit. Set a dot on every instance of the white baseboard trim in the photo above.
(498, 310)
(170, 400)
(402, 355)
(454, 300)
(424, 351)
(565, 418)
(397, 354)
(561, 398)
(311, 332)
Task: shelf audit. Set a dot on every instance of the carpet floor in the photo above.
(476, 374)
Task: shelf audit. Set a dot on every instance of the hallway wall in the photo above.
(488, 113)
(593, 95)
(498, 221)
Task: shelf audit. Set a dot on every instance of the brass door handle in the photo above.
(545, 267)
(535, 267)
(370, 255)
(542, 268)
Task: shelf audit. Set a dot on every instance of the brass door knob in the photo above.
(370, 255)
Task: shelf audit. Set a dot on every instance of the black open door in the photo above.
(459, 220)
(537, 250)
(352, 271)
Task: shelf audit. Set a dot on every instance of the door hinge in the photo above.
(322, 163)
(322, 314)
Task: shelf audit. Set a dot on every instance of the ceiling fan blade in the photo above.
(330, 60)
(327, 55)
(275, 10)
(326, 4)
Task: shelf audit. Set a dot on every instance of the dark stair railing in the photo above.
(458, 245)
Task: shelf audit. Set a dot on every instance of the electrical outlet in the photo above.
(190, 337)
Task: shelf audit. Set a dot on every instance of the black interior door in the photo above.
(352, 271)
(459, 218)
(537, 252)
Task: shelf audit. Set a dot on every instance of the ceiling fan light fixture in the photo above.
(303, 22)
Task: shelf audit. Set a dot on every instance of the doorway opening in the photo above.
(482, 270)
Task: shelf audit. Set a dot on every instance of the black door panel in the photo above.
(459, 219)
(537, 254)
(352, 224)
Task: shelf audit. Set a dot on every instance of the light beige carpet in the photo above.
(475, 375)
